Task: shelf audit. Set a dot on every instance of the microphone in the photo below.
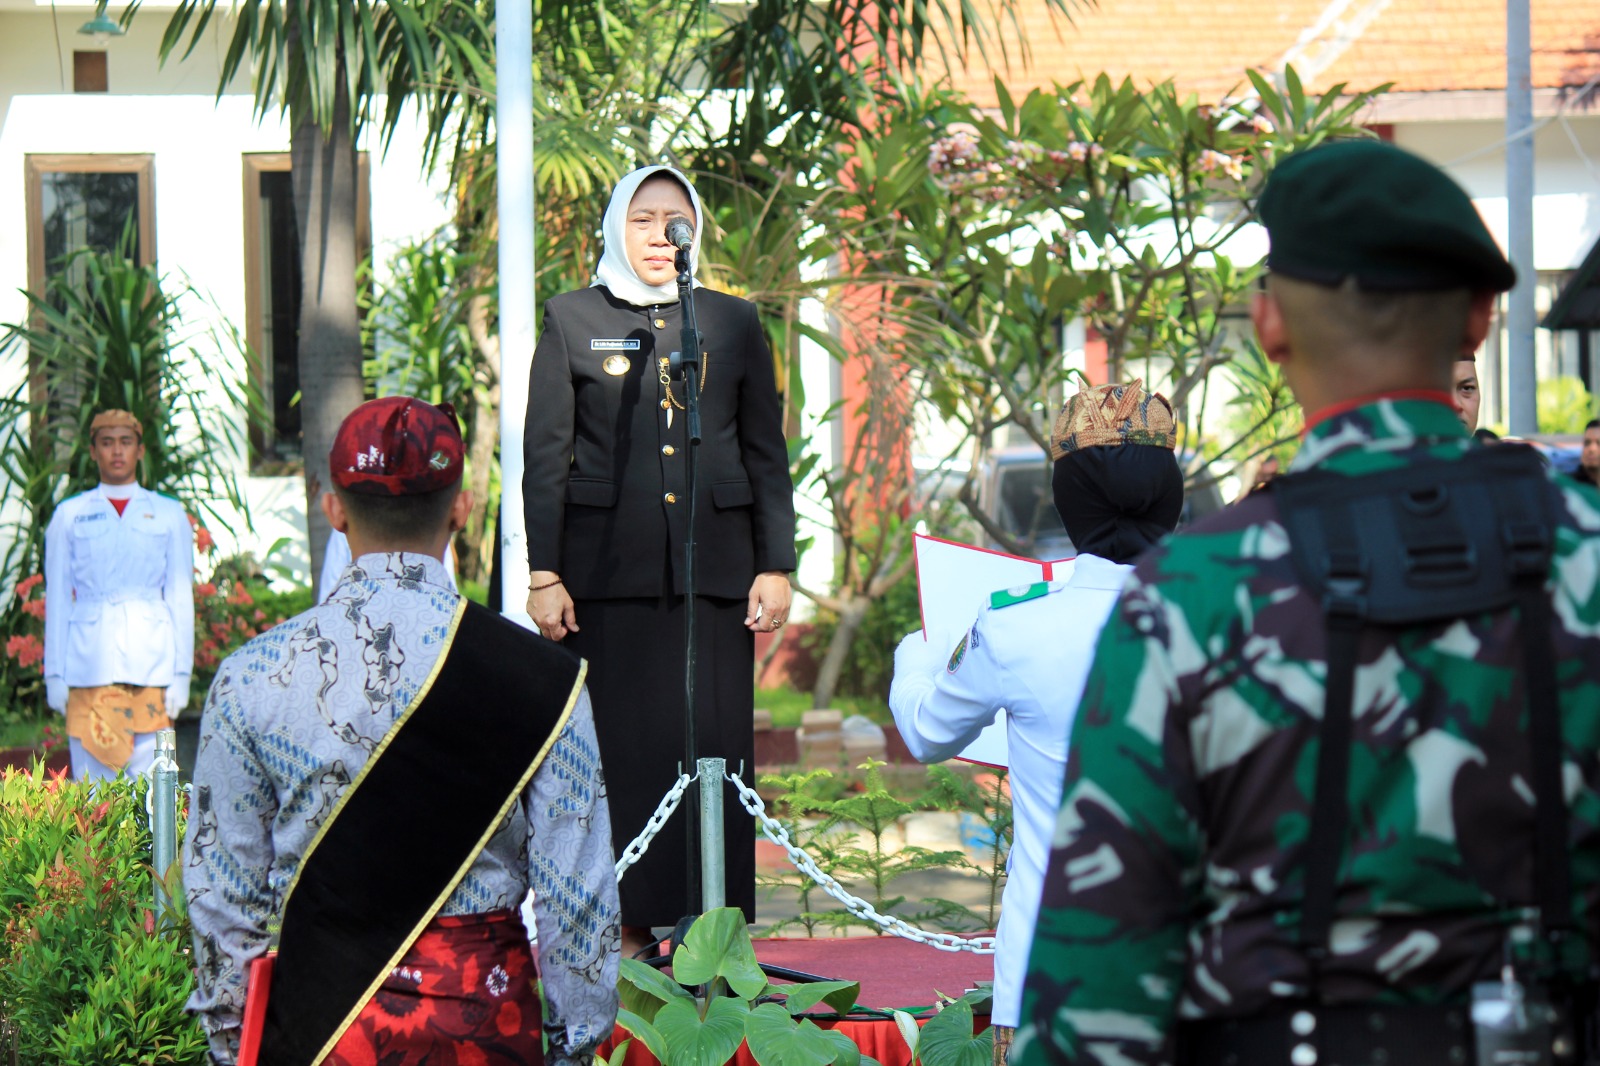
(680, 232)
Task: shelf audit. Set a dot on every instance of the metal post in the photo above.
(163, 816)
(1522, 393)
(513, 118)
(713, 864)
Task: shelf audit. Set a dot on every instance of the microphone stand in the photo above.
(685, 365)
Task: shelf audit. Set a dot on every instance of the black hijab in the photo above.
(1117, 501)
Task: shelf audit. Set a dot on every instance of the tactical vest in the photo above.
(1427, 542)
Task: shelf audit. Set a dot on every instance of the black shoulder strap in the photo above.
(1345, 607)
(392, 851)
(1432, 540)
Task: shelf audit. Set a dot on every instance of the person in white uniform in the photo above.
(1118, 489)
(119, 609)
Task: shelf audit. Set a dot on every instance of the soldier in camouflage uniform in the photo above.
(1173, 894)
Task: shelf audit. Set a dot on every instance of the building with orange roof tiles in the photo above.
(1445, 63)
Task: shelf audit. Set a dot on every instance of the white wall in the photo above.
(1566, 206)
(197, 140)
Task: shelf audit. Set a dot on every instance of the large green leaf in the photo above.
(840, 995)
(779, 1040)
(947, 1039)
(691, 1041)
(644, 1031)
(643, 989)
(846, 1051)
(718, 945)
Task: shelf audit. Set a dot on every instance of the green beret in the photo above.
(1368, 210)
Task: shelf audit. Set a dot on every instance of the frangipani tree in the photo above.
(1119, 208)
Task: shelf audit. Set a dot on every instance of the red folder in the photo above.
(257, 986)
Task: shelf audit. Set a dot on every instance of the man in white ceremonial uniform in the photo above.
(119, 609)
(1118, 489)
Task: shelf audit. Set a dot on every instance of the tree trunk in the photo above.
(851, 616)
(477, 540)
(324, 177)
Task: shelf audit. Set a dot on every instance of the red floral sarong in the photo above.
(463, 995)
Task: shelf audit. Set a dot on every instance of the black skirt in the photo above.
(635, 652)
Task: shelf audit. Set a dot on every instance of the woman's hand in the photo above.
(550, 606)
(769, 602)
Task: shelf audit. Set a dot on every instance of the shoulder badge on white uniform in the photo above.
(959, 654)
(1018, 594)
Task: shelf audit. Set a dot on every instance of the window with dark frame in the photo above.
(272, 303)
(78, 202)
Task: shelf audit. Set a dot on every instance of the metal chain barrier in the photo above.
(669, 803)
(775, 832)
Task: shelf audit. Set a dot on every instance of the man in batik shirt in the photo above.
(1170, 926)
(311, 720)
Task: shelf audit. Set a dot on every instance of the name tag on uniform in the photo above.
(621, 344)
(92, 516)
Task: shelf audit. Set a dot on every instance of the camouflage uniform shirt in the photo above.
(1175, 879)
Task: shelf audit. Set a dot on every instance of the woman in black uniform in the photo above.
(605, 494)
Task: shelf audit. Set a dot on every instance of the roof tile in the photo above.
(1419, 45)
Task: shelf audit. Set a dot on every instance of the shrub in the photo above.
(89, 973)
(870, 665)
(1565, 406)
(22, 666)
(228, 612)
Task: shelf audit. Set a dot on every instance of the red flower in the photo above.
(34, 607)
(240, 596)
(203, 541)
(205, 591)
(25, 648)
(260, 615)
(28, 584)
(220, 630)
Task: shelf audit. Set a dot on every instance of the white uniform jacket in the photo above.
(1029, 660)
(119, 591)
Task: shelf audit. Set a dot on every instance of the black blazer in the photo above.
(604, 486)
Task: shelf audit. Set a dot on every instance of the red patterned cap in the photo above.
(397, 446)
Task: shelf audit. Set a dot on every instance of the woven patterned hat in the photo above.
(1108, 415)
(115, 419)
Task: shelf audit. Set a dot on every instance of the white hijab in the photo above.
(615, 272)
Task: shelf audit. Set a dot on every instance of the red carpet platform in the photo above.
(894, 974)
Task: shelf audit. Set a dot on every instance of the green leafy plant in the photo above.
(105, 333)
(718, 998)
(427, 331)
(947, 1038)
(229, 611)
(89, 972)
(845, 833)
(22, 668)
(866, 670)
(1565, 405)
(986, 798)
